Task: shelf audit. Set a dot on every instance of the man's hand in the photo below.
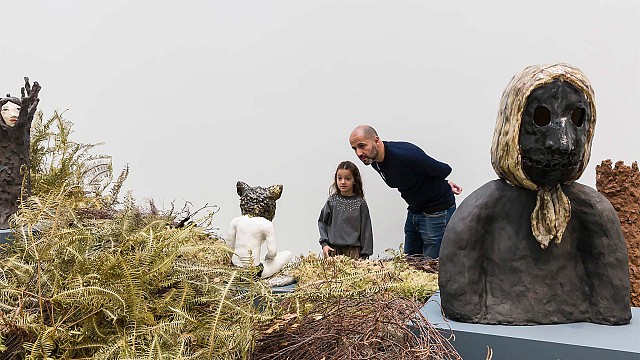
(327, 250)
(457, 190)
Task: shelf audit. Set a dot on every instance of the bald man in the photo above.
(421, 181)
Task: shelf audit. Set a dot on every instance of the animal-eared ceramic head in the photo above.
(258, 201)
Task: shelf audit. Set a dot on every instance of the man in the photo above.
(421, 181)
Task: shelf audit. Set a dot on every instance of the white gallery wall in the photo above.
(197, 95)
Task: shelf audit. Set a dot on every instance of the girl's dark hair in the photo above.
(357, 180)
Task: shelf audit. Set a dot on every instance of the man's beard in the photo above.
(366, 160)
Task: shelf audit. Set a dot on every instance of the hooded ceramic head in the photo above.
(542, 139)
(258, 201)
(506, 151)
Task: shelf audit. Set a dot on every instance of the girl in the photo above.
(344, 223)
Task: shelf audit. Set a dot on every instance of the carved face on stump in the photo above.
(258, 201)
(553, 133)
(10, 110)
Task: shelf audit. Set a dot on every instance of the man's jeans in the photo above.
(423, 232)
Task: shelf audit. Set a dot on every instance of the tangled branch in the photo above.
(381, 326)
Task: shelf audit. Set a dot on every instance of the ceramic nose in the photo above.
(561, 140)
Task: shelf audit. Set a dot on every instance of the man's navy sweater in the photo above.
(420, 179)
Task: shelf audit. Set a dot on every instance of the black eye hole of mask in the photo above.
(577, 116)
(542, 116)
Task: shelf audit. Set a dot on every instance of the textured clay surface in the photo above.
(621, 185)
(492, 270)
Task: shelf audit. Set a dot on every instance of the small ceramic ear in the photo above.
(241, 188)
(275, 191)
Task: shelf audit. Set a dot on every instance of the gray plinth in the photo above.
(284, 289)
(5, 236)
(540, 342)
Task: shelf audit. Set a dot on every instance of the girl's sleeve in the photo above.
(366, 233)
(323, 222)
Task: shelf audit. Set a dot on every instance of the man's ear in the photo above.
(275, 191)
(242, 187)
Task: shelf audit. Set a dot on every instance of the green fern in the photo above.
(90, 276)
(342, 277)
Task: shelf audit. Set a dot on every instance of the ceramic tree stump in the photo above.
(17, 115)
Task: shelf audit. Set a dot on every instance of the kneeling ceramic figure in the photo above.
(248, 232)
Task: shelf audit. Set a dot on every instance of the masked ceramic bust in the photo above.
(534, 246)
(247, 233)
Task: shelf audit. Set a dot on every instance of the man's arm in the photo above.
(418, 159)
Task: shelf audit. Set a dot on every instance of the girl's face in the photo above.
(10, 112)
(344, 180)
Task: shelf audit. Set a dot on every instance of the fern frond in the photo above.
(84, 279)
(115, 190)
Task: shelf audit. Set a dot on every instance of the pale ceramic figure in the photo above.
(247, 233)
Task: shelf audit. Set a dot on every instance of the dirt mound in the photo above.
(621, 185)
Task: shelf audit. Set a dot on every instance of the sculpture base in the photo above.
(276, 290)
(5, 237)
(280, 281)
(284, 289)
(562, 341)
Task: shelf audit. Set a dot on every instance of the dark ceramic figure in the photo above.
(17, 115)
(534, 247)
